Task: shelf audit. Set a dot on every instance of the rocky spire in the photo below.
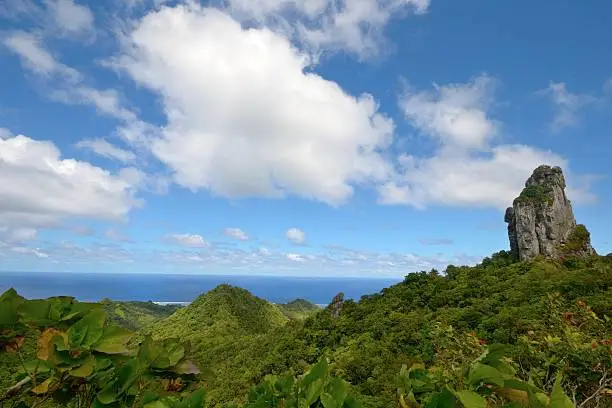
(541, 220)
(336, 305)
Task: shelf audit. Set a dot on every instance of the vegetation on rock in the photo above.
(578, 241)
(535, 194)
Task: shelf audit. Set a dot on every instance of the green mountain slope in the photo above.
(498, 301)
(298, 309)
(136, 315)
(226, 329)
(241, 338)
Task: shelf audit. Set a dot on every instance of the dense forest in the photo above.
(500, 334)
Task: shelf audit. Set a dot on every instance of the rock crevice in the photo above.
(541, 220)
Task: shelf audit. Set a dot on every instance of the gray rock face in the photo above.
(336, 305)
(541, 220)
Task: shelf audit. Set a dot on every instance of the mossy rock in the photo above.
(535, 194)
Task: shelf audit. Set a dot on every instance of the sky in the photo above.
(362, 138)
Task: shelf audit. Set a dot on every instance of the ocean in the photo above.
(183, 288)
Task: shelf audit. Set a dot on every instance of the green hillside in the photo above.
(136, 315)
(242, 338)
(298, 309)
(528, 332)
(226, 329)
(524, 305)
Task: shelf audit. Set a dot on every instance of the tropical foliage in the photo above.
(500, 334)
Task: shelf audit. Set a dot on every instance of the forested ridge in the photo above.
(503, 333)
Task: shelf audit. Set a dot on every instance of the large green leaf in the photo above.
(535, 399)
(87, 331)
(85, 369)
(351, 402)
(156, 404)
(113, 341)
(195, 400)
(338, 389)
(313, 391)
(36, 367)
(482, 373)
(329, 401)
(318, 371)
(558, 399)
(148, 351)
(443, 399)
(175, 352)
(108, 394)
(127, 375)
(36, 311)
(186, 367)
(470, 399)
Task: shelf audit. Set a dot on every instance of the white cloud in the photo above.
(295, 235)
(52, 18)
(490, 179)
(57, 188)
(567, 105)
(187, 240)
(106, 102)
(236, 233)
(295, 257)
(29, 251)
(467, 169)
(104, 148)
(67, 82)
(267, 130)
(455, 113)
(69, 17)
(354, 26)
(16, 234)
(36, 58)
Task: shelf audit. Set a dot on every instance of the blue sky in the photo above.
(305, 137)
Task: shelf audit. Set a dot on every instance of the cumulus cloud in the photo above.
(467, 169)
(58, 188)
(456, 113)
(16, 234)
(236, 233)
(104, 148)
(52, 18)
(567, 105)
(69, 17)
(187, 240)
(295, 235)
(253, 122)
(347, 25)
